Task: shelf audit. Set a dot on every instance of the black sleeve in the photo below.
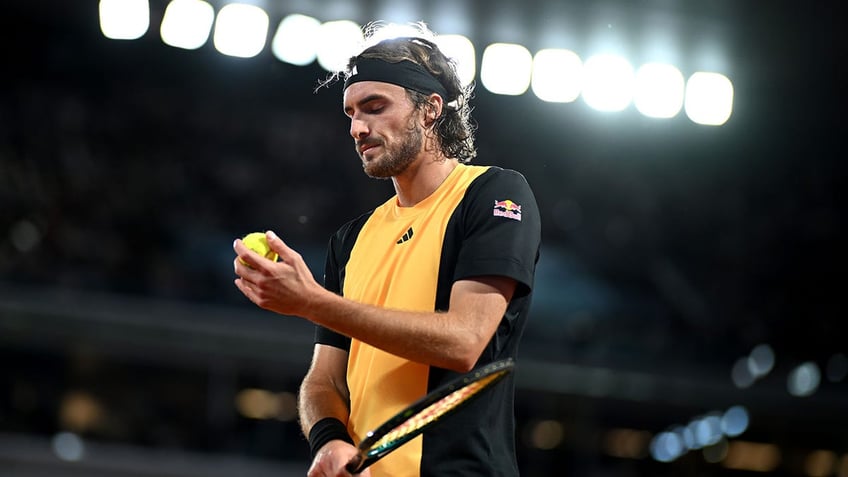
(501, 229)
(338, 252)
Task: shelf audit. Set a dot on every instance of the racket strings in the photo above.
(435, 411)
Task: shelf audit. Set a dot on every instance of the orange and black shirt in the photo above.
(480, 221)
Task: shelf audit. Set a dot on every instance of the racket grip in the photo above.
(355, 465)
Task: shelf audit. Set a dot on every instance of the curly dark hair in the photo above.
(453, 128)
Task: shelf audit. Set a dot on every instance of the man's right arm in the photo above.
(324, 392)
(324, 399)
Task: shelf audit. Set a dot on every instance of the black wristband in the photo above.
(326, 430)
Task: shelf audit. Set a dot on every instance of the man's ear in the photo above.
(434, 109)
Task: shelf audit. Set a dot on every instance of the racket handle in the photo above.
(355, 465)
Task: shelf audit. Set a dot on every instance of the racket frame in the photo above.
(369, 455)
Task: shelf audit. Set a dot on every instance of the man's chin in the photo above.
(376, 173)
(380, 168)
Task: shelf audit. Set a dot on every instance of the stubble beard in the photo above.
(395, 160)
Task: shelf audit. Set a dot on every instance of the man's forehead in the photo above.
(365, 89)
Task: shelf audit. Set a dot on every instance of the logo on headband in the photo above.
(404, 73)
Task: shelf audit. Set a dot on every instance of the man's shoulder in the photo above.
(495, 176)
(352, 227)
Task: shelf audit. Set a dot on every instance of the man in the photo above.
(432, 283)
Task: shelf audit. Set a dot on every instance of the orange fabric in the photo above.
(404, 276)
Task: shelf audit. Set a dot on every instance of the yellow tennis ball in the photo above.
(256, 241)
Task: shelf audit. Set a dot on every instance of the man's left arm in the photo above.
(452, 339)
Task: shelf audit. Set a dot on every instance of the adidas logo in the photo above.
(406, 236)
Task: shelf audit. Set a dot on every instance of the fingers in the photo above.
(282, 286)
(246, 290)
(286, 254)
(335, 461)
(354, 463)
(256, 261)
(245, 257)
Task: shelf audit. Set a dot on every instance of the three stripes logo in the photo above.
(406, 236)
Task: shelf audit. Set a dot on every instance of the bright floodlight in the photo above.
(557, 75)
(124, 19)
(608, 82)
(709, 98)
(241, 30)
(506, 68)
(461, 50)
(187, 23)
(296, 40)
(387, 31)
(659, 90)
(337, 42)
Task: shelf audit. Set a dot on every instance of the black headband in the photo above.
(404, 73)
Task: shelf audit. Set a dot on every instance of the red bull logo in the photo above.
(507, 208)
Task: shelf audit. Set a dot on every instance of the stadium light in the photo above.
(187, 24)
(608, 82)
(461, 50)
(296, 40)
(124, 19)
(557, 75)
(658, 91)
(506, 68)
(241, 30)
(337, 42)
(804, 379)
(388, 30)
(735, 421)
(709, 98)
(666, 446)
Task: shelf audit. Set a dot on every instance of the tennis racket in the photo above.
(426, 412)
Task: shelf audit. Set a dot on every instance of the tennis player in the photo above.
(432, 283)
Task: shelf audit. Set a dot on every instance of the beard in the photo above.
(395, 158)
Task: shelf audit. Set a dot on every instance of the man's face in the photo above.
(385, 127)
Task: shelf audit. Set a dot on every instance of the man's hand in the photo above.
(286, 287)
(332, 459)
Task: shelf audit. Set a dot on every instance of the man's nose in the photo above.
(358, 128)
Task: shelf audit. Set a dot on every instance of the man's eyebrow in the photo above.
(363, 101)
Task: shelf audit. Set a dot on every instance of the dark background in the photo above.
(670, 249)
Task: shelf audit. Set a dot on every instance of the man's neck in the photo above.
(422, 178)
